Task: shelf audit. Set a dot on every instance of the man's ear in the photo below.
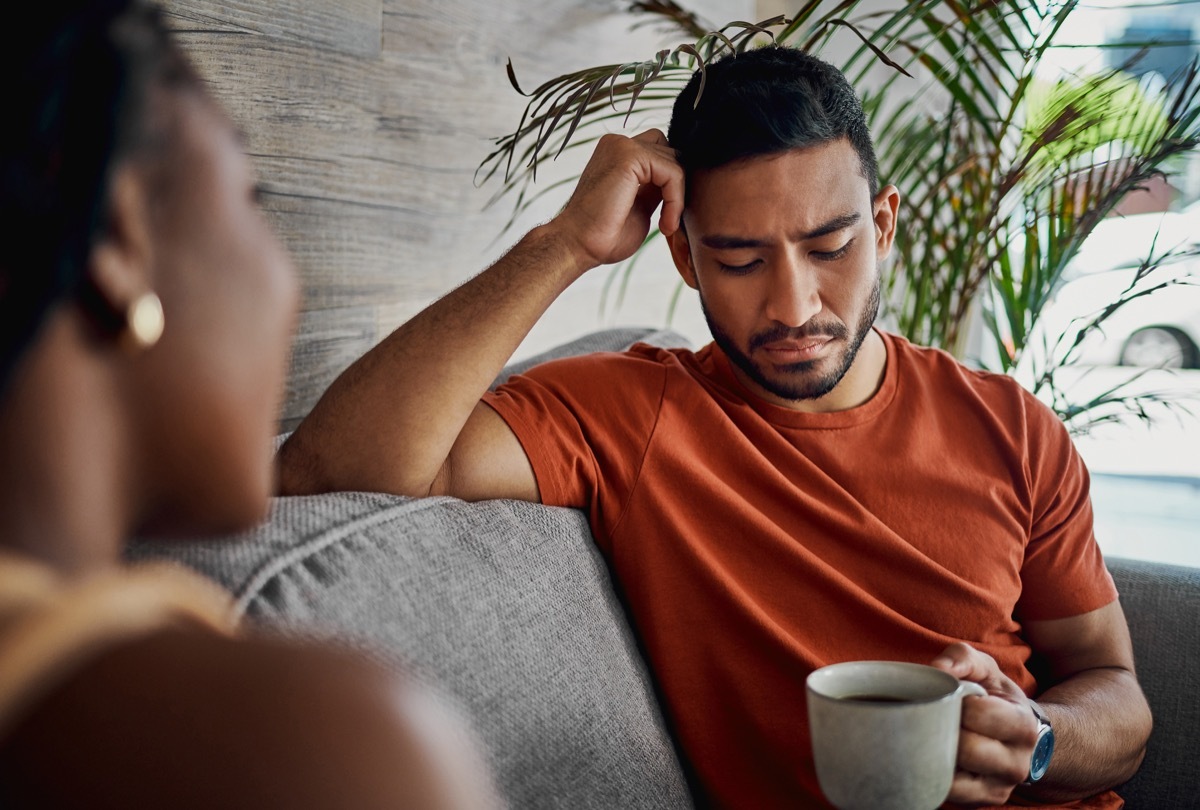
(121, 262)
(681, 253)
(887, 203)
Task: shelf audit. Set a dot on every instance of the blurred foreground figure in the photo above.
(145, 313)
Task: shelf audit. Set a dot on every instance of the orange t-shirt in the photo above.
(754, 543)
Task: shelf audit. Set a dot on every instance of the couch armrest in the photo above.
(1162, 605)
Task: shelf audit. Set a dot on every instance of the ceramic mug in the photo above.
(885, 733)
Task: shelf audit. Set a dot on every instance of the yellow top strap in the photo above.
(51, 625)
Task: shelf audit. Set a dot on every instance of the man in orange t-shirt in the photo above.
(807, 489)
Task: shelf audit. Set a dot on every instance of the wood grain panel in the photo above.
(366, 120)
(325, 344)
(346, 26)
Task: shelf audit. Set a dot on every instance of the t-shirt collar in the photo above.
(786, 417)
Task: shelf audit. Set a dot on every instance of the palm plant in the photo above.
(1044, 362)
(1002, 177)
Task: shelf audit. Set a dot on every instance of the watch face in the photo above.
(1041, 754)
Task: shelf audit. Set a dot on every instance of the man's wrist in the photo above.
(561, 250)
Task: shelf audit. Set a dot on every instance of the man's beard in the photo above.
(799, 385)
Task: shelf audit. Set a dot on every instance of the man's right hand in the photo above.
(407, 417)
(608, 216)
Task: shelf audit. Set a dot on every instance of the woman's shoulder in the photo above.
(51, 623)
(186, 715)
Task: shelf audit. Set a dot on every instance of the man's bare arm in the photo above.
(1100, 717)
(406, 417)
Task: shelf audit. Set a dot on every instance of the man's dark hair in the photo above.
(80, 76)
(765, 101)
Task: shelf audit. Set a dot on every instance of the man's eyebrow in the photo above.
(832, 226)
(723, 242)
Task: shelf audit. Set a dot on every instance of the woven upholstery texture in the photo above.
(1162, 605)
(505, 608)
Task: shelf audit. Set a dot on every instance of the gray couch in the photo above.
(508, 609)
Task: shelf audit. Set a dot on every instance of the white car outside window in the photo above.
(1161, 329)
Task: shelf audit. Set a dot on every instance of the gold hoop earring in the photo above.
(143, 322)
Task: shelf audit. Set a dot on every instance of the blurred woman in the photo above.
(145, 313)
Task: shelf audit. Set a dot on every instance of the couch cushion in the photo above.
(505, 607)
(1162, 605)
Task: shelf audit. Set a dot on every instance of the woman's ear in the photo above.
(121, 262)
(681, 253)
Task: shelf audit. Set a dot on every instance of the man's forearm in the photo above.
(1101, 723)
(390, 420)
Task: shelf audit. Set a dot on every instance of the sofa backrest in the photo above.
(1162, 605)
(505, 608)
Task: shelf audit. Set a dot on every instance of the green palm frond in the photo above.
(586, 96)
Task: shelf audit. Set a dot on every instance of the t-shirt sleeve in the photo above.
(584, 423)
(1063, 573)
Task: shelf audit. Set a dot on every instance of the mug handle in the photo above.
(970, 689)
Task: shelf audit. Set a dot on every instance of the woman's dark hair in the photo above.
(80, 77)
(764, 101)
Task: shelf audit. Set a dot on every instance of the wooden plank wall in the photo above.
(366, 120)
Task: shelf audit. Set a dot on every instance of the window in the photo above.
(1145, 478)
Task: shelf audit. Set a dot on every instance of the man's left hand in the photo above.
(998, 731)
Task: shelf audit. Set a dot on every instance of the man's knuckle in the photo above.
(1015, 773)
(992, 798)
(960, 648)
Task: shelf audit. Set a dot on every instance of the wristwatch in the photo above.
(1043, 749)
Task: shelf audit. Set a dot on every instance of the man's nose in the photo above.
(794, 294)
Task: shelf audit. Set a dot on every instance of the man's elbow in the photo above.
(1139, 724)
(299, 468)
(306, 468)
(1144, 726)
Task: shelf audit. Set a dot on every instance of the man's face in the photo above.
(785, 251)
